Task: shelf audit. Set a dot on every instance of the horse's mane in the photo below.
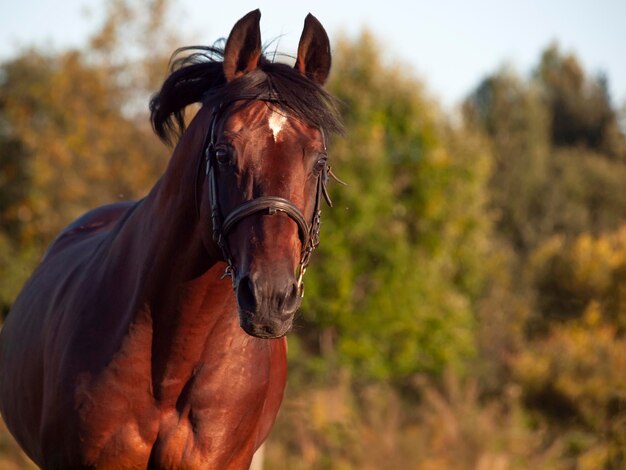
(198, 77)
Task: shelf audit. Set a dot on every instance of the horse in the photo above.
(152, 333)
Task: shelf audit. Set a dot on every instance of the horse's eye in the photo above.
(320, 164)
(223, 155)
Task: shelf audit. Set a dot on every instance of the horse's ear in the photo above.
(314, 51)
(243, 47)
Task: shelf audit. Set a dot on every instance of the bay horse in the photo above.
(127, 347)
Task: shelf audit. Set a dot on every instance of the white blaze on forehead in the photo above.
(276, 123)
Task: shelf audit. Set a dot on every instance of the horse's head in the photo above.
(266, 170)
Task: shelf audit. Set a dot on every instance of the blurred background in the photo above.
(467, 306)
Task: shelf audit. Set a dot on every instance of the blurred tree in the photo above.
(580, 107)
(556, 142)
(571, 275)
(573, 376)
(557, 190)
(76, 150)
(513, 116)
(133, 46)
(403, 252)
(410, 277)
(72, 135)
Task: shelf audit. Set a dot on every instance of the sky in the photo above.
(451, 45)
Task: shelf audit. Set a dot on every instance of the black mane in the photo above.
(199, 78)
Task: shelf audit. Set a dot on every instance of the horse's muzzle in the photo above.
(267, 306)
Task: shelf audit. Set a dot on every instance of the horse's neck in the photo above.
(180, 291)
(166, 229)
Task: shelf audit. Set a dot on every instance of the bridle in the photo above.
(222, 226)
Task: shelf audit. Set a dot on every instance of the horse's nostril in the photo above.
(291, 298)
(246, 294)
(268, 298)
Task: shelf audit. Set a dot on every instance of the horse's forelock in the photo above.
(198, 77)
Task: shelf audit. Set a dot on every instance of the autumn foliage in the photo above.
(467, 306)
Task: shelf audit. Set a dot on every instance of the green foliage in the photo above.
(558, 151)
(75, 147)
(557, 191)
(581, 110)
(411, 279)
(402, 257)
(572, 375)
(516, 121)
(70, 139)
(16, 264)
(571, 277)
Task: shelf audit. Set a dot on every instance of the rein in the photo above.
(222, 225)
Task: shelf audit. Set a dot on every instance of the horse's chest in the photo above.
(213, 417)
